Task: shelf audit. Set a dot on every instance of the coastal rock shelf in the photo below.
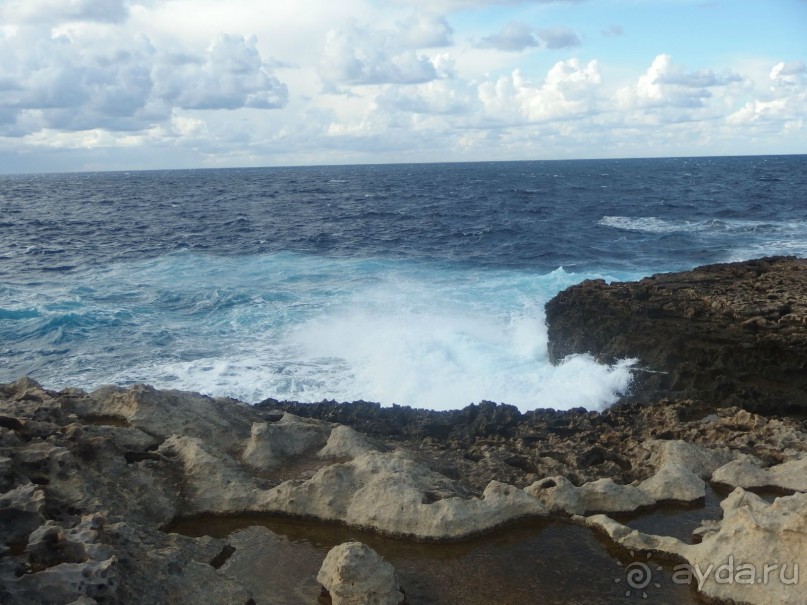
(93, 485)
(90, 482)
(733, 334)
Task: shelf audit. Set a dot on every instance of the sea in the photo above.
(410, 284)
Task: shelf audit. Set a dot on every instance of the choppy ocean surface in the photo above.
(421, 285)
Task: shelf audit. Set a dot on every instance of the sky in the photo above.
(149, 84)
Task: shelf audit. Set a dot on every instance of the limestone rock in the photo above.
(222, 423)
(67, 582)
(731, 334)
(729, 564)
(558, 494)
(344, 442)
(87, 481)
(354, 574)
(790, 475)
(674, 483)
(21, 512)
(604, 495)
(394, 495)
(681, 469)
(700, 460)
(212, 482)
(272, 444)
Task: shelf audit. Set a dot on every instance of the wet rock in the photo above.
(273, 568)
(91, 478)
(21, 512)
(729, 564)
(730, 334)
(354, 574)
(65, 583)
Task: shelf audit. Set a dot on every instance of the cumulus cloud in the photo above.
(783, 105)
(516, 37)
(559, 37)
(230, 75)
(356, 54)
(59, 11)
(423, 31)
(665, 84)
(569, 89)
(793, 73)
(100, 79)
(439, 97)
(58, 82)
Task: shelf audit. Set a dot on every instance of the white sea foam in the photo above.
(652, 224)
(390, 332)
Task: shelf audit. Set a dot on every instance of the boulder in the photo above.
(354, 574)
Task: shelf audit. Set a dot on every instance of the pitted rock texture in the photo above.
(730, 334)
(89, 481)
(484, 442)
(756, 554)
(354, 574)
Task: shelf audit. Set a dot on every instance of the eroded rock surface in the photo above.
(730, 334)
(753, 555)
(88, 480)
(354, 574)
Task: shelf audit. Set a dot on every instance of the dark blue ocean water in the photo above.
(415, 284)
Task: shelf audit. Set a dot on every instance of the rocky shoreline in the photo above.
(729, 334)
(89, 482)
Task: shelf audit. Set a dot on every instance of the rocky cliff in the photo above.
(729, 334)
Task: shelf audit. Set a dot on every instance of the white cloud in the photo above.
(783, 106)
(793, 73)
(147, 80)
(569, 89)
(449, 97)
(97, 78)
(59, 82)
(516, 37)
(665, 84)
(513, 37)
(356, 54)
(423, 31)
(230, 75)
(59, 11)
(559, 37)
